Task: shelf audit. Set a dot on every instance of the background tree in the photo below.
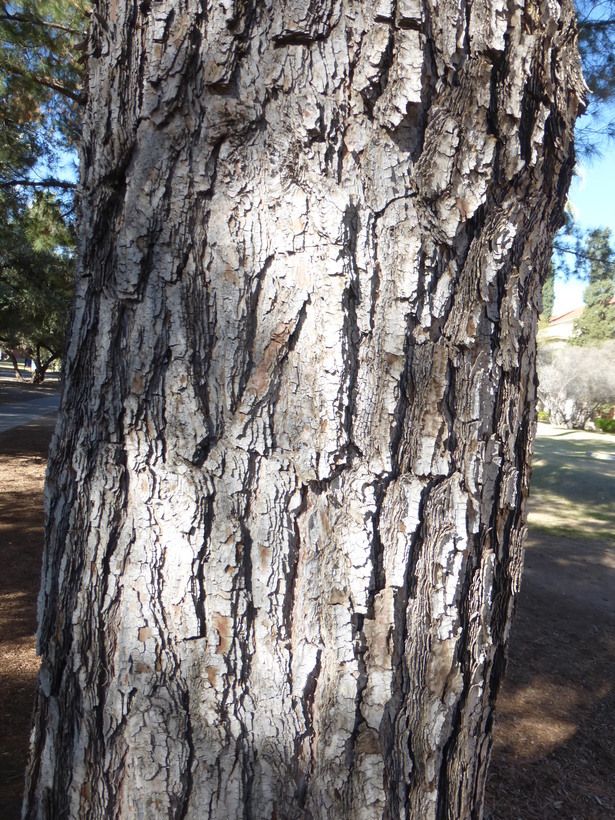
(596, 24)
(597, 322)
(36, 281)
(548, 294)
(286, 494)
(576, 384)
(40, 87)
(596, 127)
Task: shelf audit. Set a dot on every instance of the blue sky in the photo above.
(592, 196)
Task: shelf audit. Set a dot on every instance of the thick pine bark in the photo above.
(286, 494)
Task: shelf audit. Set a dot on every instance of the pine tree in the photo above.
(41, 88)
(36, 277)
(596, 27)
(548, 294)
(597, 322)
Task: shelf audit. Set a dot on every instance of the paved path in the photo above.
(21, 412)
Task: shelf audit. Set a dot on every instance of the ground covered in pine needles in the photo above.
(554, 748)
(23, 456)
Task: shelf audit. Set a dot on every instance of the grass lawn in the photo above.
(573, 483)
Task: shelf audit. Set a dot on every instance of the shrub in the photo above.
(576, 382)
(606, 425)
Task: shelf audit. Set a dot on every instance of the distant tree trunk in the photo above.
(42, 365)
(15, 364)
(286, 492)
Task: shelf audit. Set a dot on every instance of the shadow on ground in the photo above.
(553, 754)
(23, 456)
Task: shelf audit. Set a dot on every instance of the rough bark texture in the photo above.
(285, 498)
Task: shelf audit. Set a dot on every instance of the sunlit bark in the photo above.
(285, 497)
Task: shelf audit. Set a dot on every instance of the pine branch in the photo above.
(46, 82)
(37, 21)
(580, 254)
(587, 24)
(43, 183)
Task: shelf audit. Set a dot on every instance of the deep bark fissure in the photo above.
(292, 562)
(307, 703)
(252, 300)
(200, 562)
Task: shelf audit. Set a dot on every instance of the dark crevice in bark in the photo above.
(496, 675)
(292, 563)
(243, 625)
(450, 412)
(211, 173)
(530, 105)
(335, 144)
(200, 332)
(359, 648)
(377, 579)
(33, 772)
(406, 24)
(375, 278)
(186, 775)
(200, 563)
(498, 77)
(307, 705)
(505, 573)
(245, 343)
(271, 397)
(372, 93)
(429, 91)
(297, 38)
(448, 796)
(245, 755)
(154, 406)
(68, 705)
(350, 330)
(247, 630)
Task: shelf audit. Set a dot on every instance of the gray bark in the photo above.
(286, 493)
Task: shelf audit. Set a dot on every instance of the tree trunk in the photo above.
(13, 357)
(286, 492)
(42, 365)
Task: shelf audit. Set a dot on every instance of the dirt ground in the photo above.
(554, 742)
(23, 456)
(554, 746)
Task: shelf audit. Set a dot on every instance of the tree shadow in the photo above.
(553, 753)
(23, 455)
(12, 390)
(15, 712)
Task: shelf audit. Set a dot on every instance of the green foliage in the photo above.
(36, 275)
(40, 85)
(543, 415)
(41, 91)
(548, 294)
(596, 25)
(576, 383)
(606, 425)
(596, 325)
